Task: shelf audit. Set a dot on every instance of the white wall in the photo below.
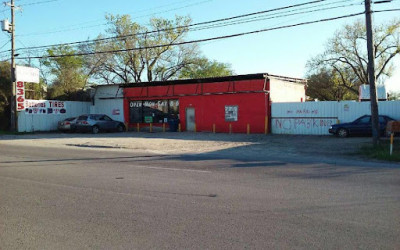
(48, 122)
(109, 100)
(286, 91)
(315, 118)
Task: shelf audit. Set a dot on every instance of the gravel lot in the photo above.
(197, 143)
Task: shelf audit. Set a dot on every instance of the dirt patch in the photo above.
(195, 143)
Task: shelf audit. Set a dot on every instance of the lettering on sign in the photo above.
(20, 95)
(45, 107)
(135, 104)
(292, 124)
(303, 111)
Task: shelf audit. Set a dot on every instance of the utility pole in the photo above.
(13, 117)
(371, 74)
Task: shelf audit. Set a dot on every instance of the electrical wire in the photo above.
(388, 10)
(103, 24)
(181, 27)
(197, 41)
(36, 3)
(267, 18)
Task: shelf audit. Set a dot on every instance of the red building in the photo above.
(235, 103)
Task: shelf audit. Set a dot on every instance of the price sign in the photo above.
(20, 95)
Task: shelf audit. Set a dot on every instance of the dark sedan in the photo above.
(360, 126)
(98, 122)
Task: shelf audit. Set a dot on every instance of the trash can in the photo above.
(173, 124)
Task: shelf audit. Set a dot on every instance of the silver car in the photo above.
(67, 124)
(98, 122)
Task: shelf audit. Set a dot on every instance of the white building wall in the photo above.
(315, 118)
(48, 122)
(108, 99)
(286, 91)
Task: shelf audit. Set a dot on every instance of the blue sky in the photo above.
(280, 52)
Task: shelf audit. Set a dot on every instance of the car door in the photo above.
(109, 123)
(101, 122)
(362, 126)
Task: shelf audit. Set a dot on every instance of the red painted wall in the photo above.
(211, 109)
(209, 101)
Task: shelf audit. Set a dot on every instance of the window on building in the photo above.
(157, 111)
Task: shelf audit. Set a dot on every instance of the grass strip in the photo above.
(382, 151)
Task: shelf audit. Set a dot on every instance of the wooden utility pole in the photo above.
(13, 117)
(371, 74)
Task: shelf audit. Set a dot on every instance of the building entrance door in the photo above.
(190, 120)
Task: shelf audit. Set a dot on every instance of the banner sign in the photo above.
(26, 74)
(40, 107)
(20, 95)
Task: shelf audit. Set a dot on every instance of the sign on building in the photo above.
(38, 107)
(20, 95)
(26, 74)
(231, 113)
(22, 75)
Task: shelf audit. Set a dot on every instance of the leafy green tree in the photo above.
(5, 94)
(394, 96)
(325, 86)
(346, 55)
(133, 64)
(67, 74)
(5, 82)
(202, 67)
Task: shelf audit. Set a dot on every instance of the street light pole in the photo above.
(371, 74)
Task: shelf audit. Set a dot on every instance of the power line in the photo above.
(389, 10)
(97, 25)
(4, 45)
(186, 26)
(36, 3)
(273, 17)
(198, 41)
(255, 13)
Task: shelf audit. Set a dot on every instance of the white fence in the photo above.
(315, 118)
(43, 115)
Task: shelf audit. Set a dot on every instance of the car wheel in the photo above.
(95, 129)
(343, 133)
(120, 128)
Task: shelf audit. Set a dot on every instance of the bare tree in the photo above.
(141, 57)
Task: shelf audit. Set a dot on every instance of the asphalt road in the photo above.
(76, 198)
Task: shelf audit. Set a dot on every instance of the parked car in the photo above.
(360, 126)
(67, 125)
(98, 122)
